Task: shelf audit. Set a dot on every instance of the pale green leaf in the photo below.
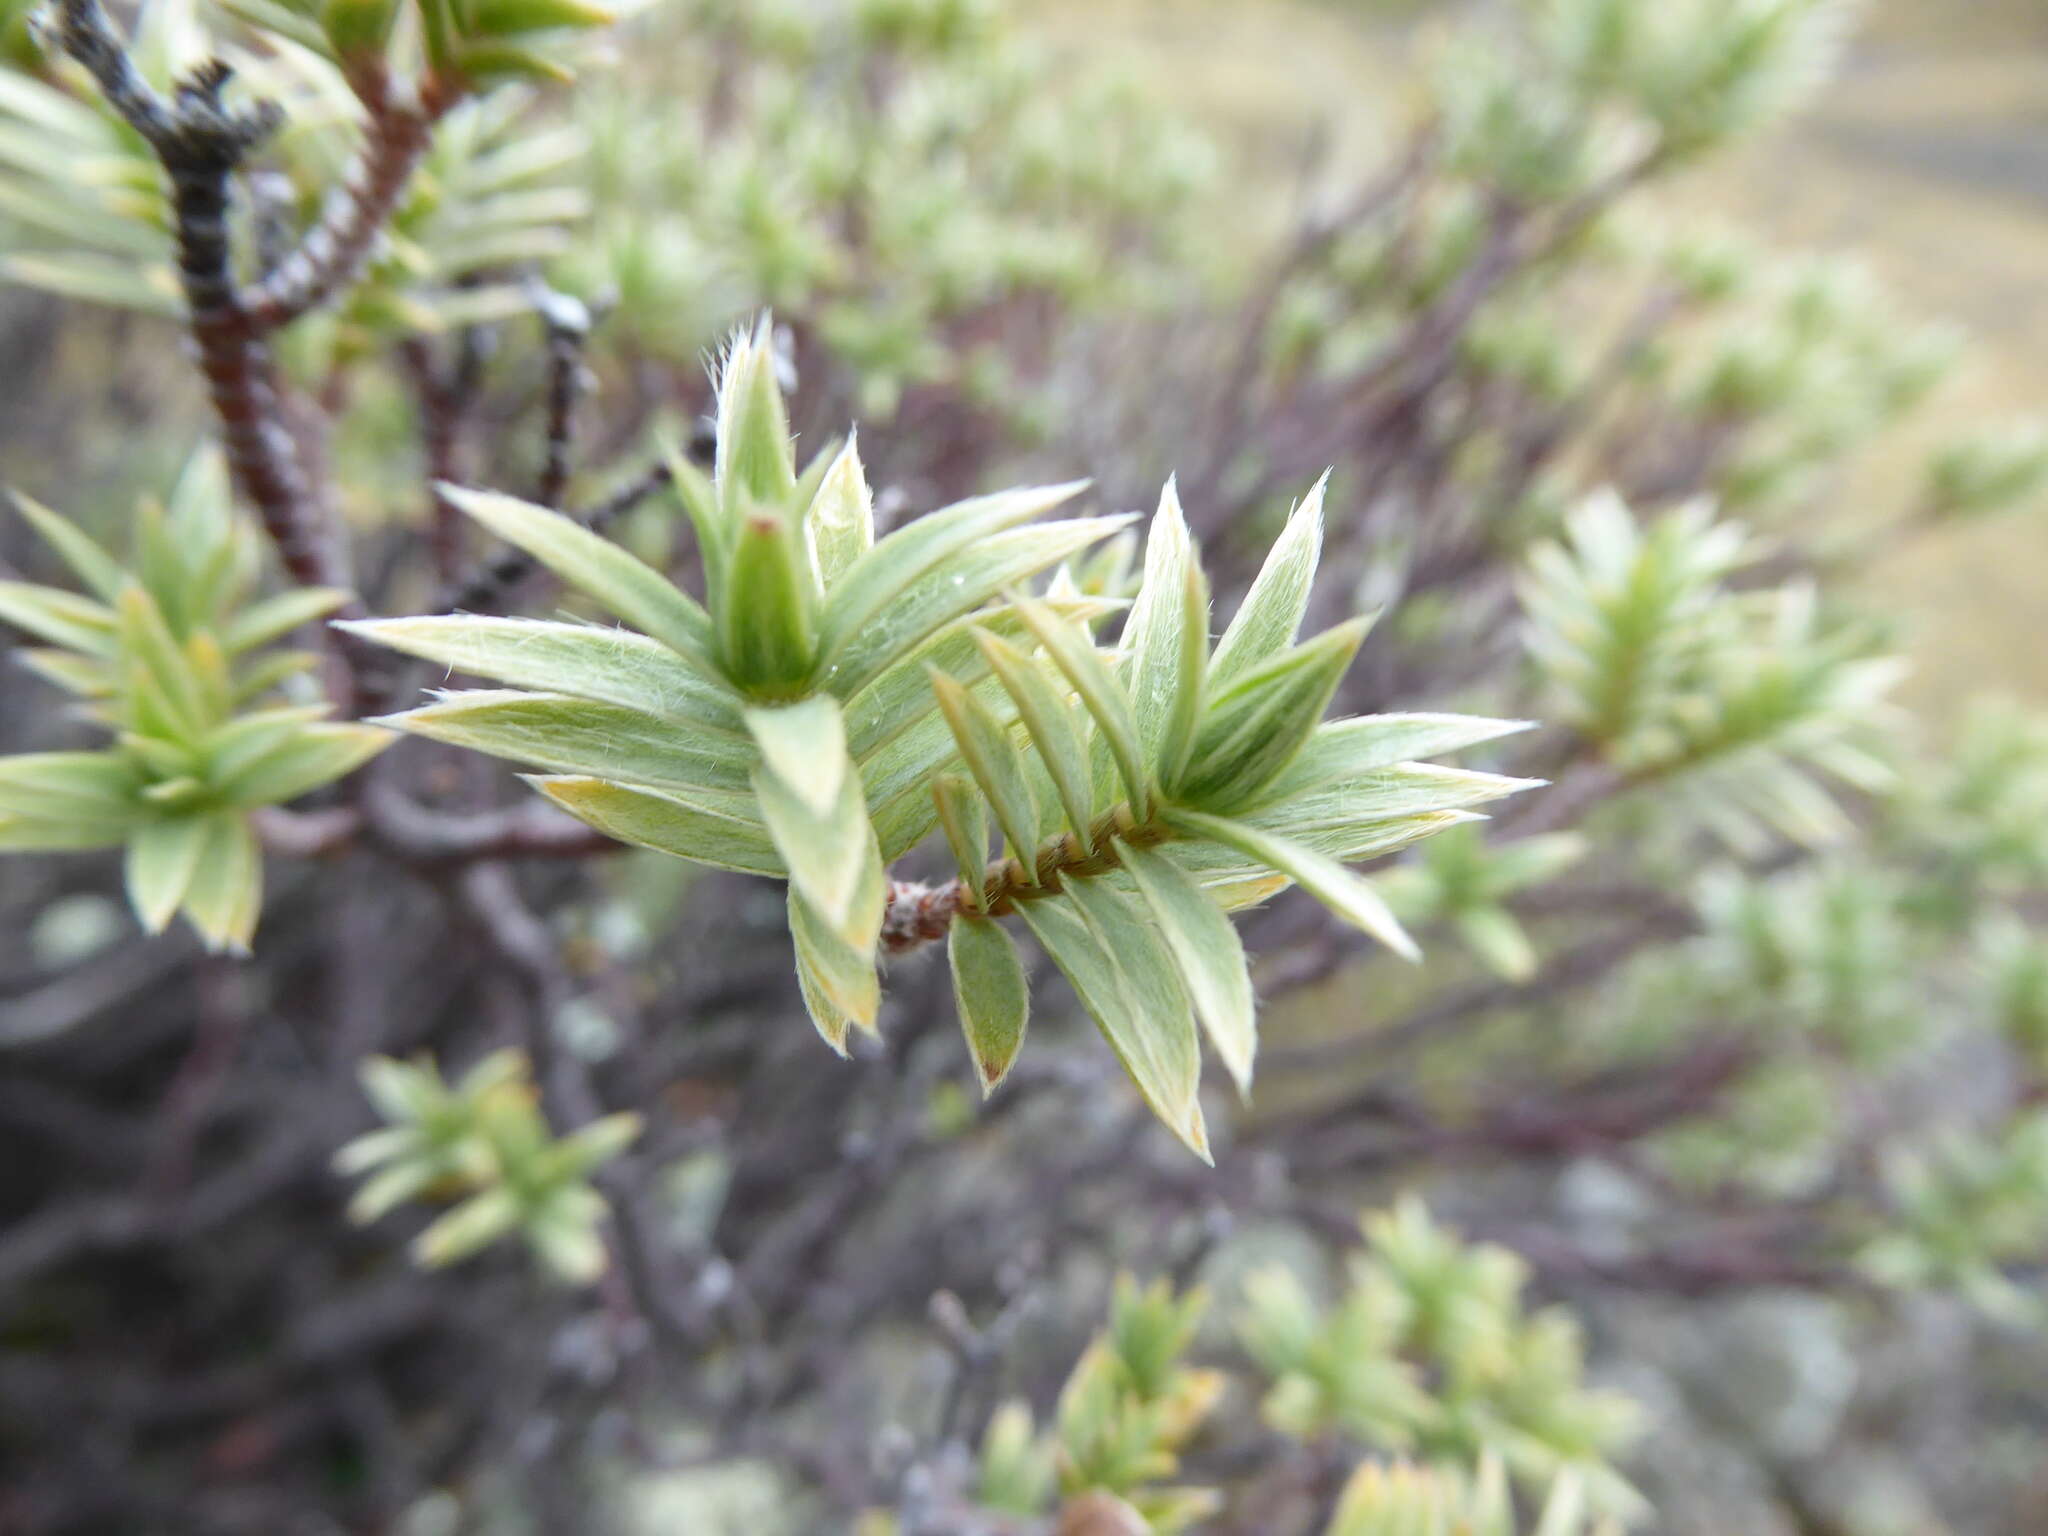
(667, 823)
(1074, 653)
(1156, 641)
(468, 1229)
(162, 858)
(1382, 795)
(1206, 947)
(60, 617)
(1047, 714)
(70, 786)
(1270, 615)
(637, 593)
(100, 571)
(964, 815)
(991, 995)
(838, 980)
(1344, 893)
(1343, 749)
(1124, 976)
(150, 289)
(756, 464)
(309, 757)
(832, 859)
(572, 735)
(279, 616)
(964, 582)
(991, 755)
(615, 666)
(226, 891)
(841, 516)
(1250, 733)
(804, 745)
(768, 609)
(38, 834)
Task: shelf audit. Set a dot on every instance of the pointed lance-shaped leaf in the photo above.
(225, 894)
(1344, 893)
(933, 570)
(964, 815)
(665, 822)
(699, 497)
(1209, 953)
(1161, 1015)
(1345, 749)
(768, 617)
(308, 757)
(991, 994)
(277, 617)
(1251, 732)
(992, 757)
(1155, 641)
(100, 571)
(1101, 694)
(838, 981)
(60, 617)
(148, 645)
(601, 662)
(811, 800)
(71, 786)
(1177, 739)
(1041, 702)
(162, 857)
(633, 590)
(501, 18)
(755, 464)
(841, 516)
(1164, 1063)
(570, 735)
(1270, 615)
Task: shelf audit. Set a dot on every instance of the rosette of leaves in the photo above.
(493, 191)
(172, 656)
(1402, 1499)
(1460, 879)
(483, 1147)
(784, 725)
(1145, 793)
(1738, 705)
(1124, 1414)
(1430, 1349)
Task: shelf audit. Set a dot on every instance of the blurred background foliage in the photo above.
(1820, 1037)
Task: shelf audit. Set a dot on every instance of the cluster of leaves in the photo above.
(484, 1147)
(477, 42)
(80, 190)
(1187, 782)
(1595, 83)
(1739, 701)
(1429, 1352)
(1401, 1499)
(1461, 880)
(894, 175)
(1126, 1411)
(1430, 1348)
(836, 697)
(1965, 1206)
(173, 657)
